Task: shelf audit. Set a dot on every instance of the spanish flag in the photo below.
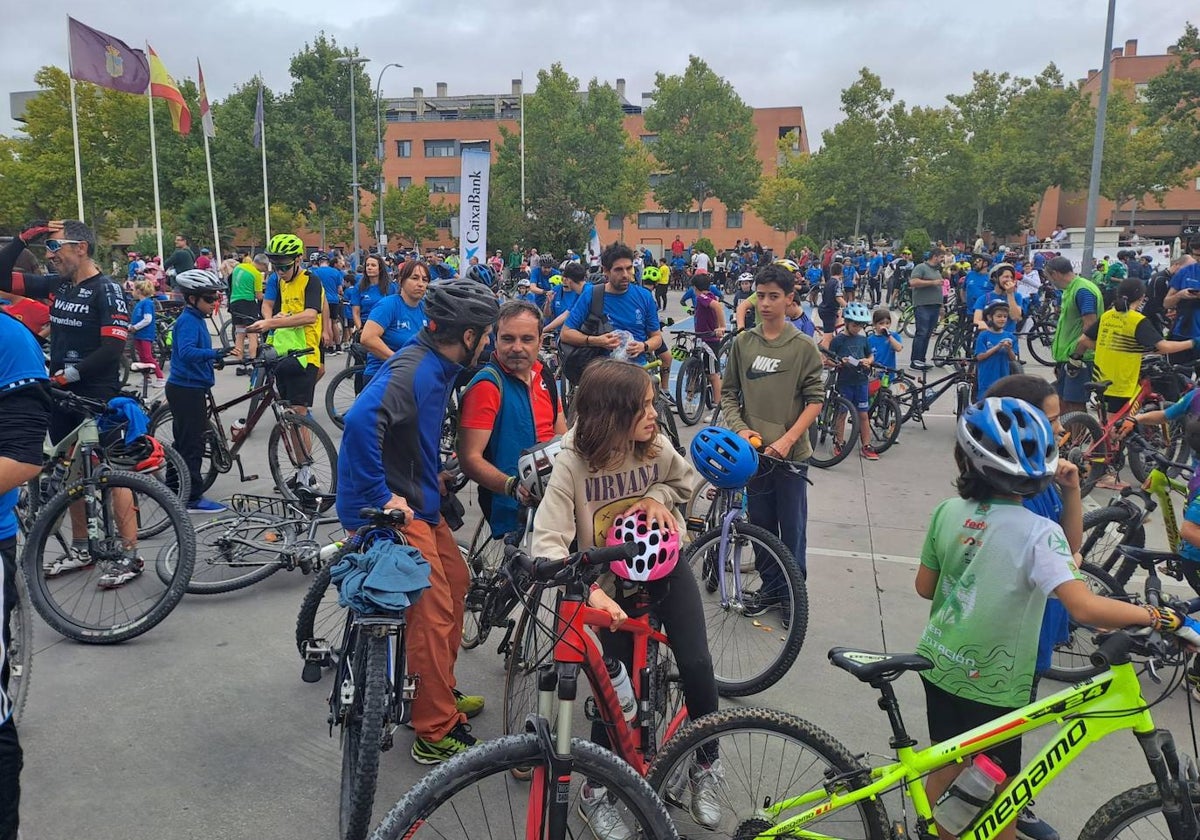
(163, 86)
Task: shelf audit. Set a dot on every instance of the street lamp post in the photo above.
(350, 61)
(1086, 266)
(382, 233)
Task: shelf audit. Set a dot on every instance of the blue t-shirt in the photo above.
(855, 347)
(882, 350)
(633, 311)
(1086, 303)
(1010, 328)
(564, 299)
(530, 297)
(975, 285)
(849, 273)
(271, 286)
(400, 322)
(875, 265)
(803, 323)
(814, 275)
(22, 357)
(141, 309)
(8, 513)
(1187, 325)
(331, 279)
(1191, 514)
(995, 366)
(366, 299)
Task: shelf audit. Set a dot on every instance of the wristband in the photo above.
(510, 487)
(593, 588)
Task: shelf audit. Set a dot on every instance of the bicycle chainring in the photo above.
(216, 449)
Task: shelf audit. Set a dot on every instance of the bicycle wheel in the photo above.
(1108, 527)
(1135, 813)
(689, 391)
(1072, 658)
(232, 552)
(319, 625)
(340, 394)
(949, 344)
(20, 646)
(362, 732)
(1080, 444)
(483, 558)
(300, 452)
(765, 756)
(666, 422)
(1165, 439)
(64, 584)
(174, 476)
(749, 653)
(834, 432)
(475, 795)
(531, 646)
(907, 322)
(962, 398)
(1040, 341)
(162, 429)
(885, 419)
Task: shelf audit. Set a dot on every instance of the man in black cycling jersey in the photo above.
(89, 325)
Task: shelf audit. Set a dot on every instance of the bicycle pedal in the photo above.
(311, 672)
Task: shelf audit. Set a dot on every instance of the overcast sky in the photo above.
(775, 52)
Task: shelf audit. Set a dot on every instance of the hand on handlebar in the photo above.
(401, 504)
(65, 376)
(601, 600)
(1168, 619)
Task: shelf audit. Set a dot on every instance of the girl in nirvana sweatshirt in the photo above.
(613, 462)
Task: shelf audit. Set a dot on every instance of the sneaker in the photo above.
(918, 364)
(73, 560)
(457, 740)
(302, 478)
(756, 604)
(869, 453)
(1030, 827)
(705, 784)
(203, 505)
(158, 383)
(837, 448)
(120, 572)
(667, 398)
(469, 704)
(600, 814)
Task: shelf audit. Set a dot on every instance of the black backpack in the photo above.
(575, 359)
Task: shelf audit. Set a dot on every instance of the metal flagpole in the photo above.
(212, 197)
(75, 127)
(154, 170)
(262, 142)
(1086, 265)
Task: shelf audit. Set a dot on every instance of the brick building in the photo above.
(424, 135)
(1179, 213)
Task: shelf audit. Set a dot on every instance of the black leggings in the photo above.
(677, 605)
(11, 757)
(189, 413)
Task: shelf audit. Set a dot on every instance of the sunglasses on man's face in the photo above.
(283, 266)
(55, 245)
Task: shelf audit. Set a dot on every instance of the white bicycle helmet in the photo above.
(535, 464)
(198, 280)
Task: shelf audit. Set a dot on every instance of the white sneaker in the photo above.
(158, 383)
(601, 816)
(120, 572)
(73, 560)
(705, 784)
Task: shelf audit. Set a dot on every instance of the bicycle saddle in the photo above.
(1146, 557)
(869, 666)
(1097, 386)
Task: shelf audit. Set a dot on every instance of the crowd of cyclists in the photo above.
(566, 359)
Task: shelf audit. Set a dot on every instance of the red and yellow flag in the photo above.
(163, 86)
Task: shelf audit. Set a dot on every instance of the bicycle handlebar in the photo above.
(379, 516)
(274, 360)
(544, 570)
(1136, 441)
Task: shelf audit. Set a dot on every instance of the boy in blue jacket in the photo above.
(193, 360)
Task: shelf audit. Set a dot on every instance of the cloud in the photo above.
(775, 52)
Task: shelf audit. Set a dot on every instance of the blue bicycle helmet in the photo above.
(857, 312)
(723, 458)
(1010, 443)
(480, 273)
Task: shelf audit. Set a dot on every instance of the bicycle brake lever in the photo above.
(1153, 672)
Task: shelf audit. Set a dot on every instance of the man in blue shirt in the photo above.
(1184, 298)
(978, 282)
(565, 296)
(628, 307)
(331, 280)
(875, 276)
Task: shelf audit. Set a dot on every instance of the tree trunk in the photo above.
(979, 220)
(700, 218)
(1132, 214)
(857, 219)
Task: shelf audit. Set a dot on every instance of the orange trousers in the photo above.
(435, 629)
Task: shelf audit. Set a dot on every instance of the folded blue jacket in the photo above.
(388, 577)
(125, 410)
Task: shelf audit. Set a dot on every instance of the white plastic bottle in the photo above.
(624, 688)
(968, 795)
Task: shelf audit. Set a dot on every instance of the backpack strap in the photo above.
(597, 308)
(552, 388)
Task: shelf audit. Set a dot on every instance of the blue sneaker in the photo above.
(203, 505)
(1032, 827)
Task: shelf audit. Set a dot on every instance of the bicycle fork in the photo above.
(1174, 774)
(722, 554)
(550, 791)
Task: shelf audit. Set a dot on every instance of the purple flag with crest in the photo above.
(106, 61)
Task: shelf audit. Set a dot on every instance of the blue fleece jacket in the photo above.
(192, 353)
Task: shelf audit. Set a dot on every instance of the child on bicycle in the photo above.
(193, 360)
(988, 565)
(144, 329)
(710, 326)
(615, 463)
(994, 351)
(854, 352)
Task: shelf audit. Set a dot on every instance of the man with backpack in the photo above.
(510, 405)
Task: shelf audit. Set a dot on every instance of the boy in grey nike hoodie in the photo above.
(771, 393)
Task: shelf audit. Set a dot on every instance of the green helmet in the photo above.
(285, 245)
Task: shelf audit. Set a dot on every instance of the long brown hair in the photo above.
(383, 282)
(609, 398)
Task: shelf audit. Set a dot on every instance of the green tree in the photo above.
(705, 141)
(1137, 158)
(785, 200)
(410, 214)
(1173, 101)
(578, 162)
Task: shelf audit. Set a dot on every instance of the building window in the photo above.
(672, 220)
(404, 182)
(733, 218)
(442, 184)
(656, 178)
(441, 148)
(616, 222)
(403, 148)
(441, 224)
(649, 139)
(1198, 183)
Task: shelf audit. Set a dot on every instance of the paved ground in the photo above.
(203, 729)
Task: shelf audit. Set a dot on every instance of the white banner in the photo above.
(473, 203)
